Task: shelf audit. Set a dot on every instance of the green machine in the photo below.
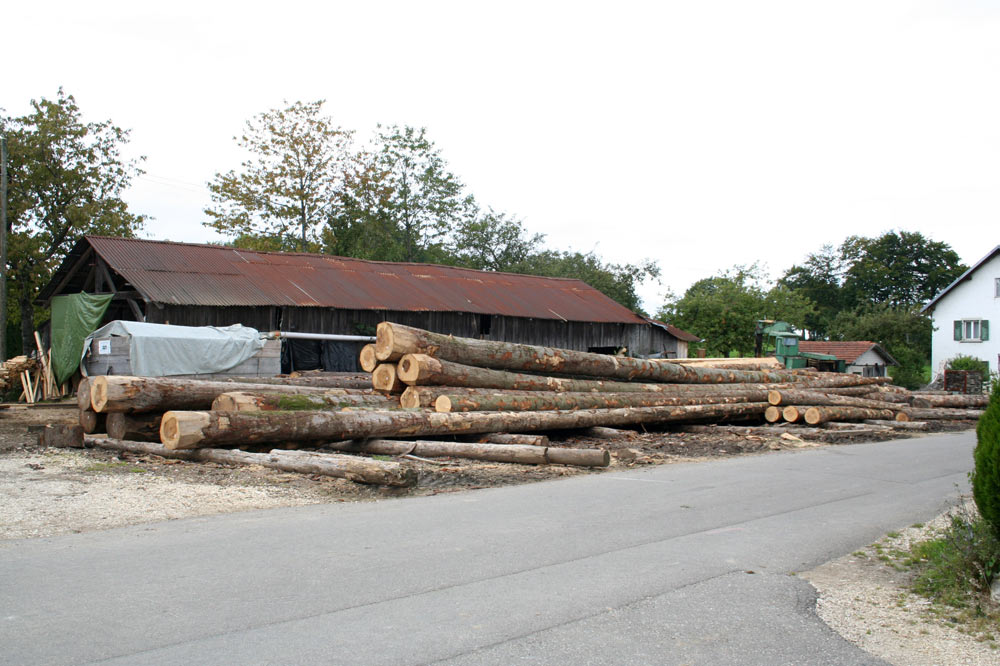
(782, 337)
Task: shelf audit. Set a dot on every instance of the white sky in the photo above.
(699, 134)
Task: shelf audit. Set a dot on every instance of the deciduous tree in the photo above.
(66, 180)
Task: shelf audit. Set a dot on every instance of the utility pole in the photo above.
(3, 248)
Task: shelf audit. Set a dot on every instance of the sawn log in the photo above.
(510, 453)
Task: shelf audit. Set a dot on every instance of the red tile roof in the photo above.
(212, 275)
(847, 351)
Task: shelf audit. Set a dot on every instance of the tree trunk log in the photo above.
(772, 414)
(138, 427)
(817, 415)
(900, 425)
(327, 380)
(386, 378)
(392, 339)
(264, 401)
(361, 470)
(763, 363)
(120, 393)
(509, 453)
(603, 432)
(61, 436)
(366, 359)
(83, 395)
(514, 438)
(791, 413)
(92, 422)
(943, 414)
(953, 400)
(549, 400)
(188, 430)
(793, 397)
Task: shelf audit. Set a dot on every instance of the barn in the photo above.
(210, 285)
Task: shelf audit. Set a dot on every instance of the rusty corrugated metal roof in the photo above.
(188, 274)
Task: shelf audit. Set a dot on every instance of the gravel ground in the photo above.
(868, 603)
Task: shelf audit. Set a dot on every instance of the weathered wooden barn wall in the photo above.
(639, 339)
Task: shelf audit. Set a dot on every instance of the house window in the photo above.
(996, 287)
(972, 330)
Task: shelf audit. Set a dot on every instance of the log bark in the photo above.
(366, 359)
(265, 401)
(603, 432)
(386, 378)
(353, 468)
(392, 339)
(549, 400)
(120, 393)
(900, 425)
(514, 438)
(137, 427)
(92, 422)
(188, 430)
(952, 400)
(816, 415)
(793, 397)
(327, 380)
(943, 414)
(510, 453)
(61, 436)
(763, 363)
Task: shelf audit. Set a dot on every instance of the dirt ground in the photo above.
(56, 491)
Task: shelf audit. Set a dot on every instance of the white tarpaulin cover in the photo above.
(158, 350)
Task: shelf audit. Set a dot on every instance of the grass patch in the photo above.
(955, 570)
(115, 467)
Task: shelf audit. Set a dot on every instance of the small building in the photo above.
(862, 357)
(211, 285)
(962, 312)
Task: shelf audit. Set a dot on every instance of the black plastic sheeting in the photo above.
(326, 355)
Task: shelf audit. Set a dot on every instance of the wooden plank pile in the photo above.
(426, 384)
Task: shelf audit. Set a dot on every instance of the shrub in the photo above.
(986, 473)
(969, 363)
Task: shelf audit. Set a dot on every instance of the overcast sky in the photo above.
(699, 134)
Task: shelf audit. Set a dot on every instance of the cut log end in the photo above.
(367, 358)
(386, 378)
(772, 414)
(442, 404)
(410, 399)
(902, 417)
(183, 430)
(99, 393)
(791, 413)
(774, 397)
(383, 341)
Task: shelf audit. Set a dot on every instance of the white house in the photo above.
(962, 313)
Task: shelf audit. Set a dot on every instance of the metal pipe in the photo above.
(292, 335)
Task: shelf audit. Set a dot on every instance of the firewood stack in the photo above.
(427, 384)
(12, 372)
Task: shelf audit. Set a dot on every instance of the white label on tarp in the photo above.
(104, 346)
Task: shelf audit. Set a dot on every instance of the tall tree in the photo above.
(66, 180)
(819, 278)
(288, 187)
(402, 194)
(724, 309)
(898, 268)
(619, 282)
(493, 241)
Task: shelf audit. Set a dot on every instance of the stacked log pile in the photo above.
(424, 384)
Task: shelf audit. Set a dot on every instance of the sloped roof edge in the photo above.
(964, 276)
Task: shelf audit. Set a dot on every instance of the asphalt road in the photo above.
(678, 564)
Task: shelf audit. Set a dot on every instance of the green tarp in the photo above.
(74, 317)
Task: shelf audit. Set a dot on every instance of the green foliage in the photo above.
(902, 331)
(66, 180)
(399, 202)
(819, 279)
(958, 567)
(969, 363)
(288, 186)
(897, 268)
(724, 309)
(985, 476)
(493, 241)
(617, 281)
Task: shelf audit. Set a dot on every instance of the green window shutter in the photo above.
(984, 330)
(958, 330)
